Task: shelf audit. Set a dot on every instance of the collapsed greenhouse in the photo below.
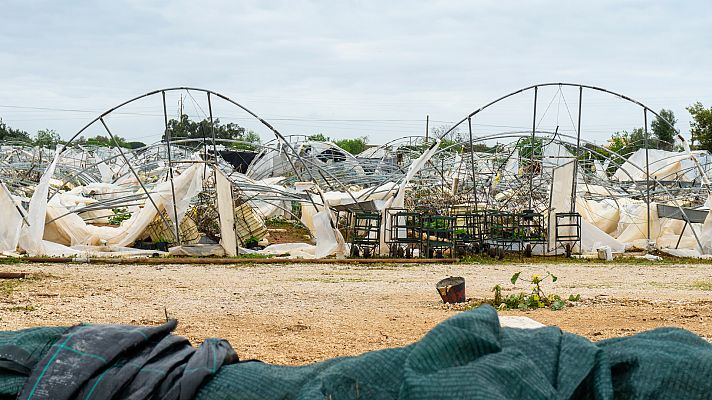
(535, 191)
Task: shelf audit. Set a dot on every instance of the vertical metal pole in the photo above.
(170, 168)
(472, 160)
(647, 171)
(212, 130)
(427, 124)
(442, 174)
(578, 153)
(531, 156)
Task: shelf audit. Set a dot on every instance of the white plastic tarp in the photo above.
(31, 236)
(11, 221)
(326, 241)
(226, 212)
(663, 165)
(560, 201)
(79, 232)
(593, 238)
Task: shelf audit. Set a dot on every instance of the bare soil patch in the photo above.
(294, 314)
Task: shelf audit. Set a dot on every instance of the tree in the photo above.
(105, 141)
(663, 133)
(353, 146)
(624, 143)
(135, 145)
(47, 138)
(453, 136)
(185, 128)
(319, 137)
(701, 126)
(9, 134)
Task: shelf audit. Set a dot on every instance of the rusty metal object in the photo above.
(452, 289)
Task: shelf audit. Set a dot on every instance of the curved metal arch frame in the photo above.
(162, 92)
(645, 108)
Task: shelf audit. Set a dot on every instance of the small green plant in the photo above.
(120, 214)
(537, 298)
(251, 242)
(436, 224)
(280, 222)
(27, 308)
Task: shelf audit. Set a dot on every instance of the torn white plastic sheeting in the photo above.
(381, 192)
(107, 175)
(295, 250)
(99, 191)
(78, 232)
(31, 236)
(334, 198)
(687, 253)
(600, 170)
(326, 244)
(663, 165)
(184, 194)
(560, 201)
(706, 234)
(11, 221)
(512, 164)
(696, 161)
(556, 155)
(414, 168)
(320, 222)
(593, 238)
(603, 214)
(198, 250)
(633, 225)
(226, 213)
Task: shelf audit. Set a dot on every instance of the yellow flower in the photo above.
(536, 278)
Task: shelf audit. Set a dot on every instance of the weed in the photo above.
(7, 286)
(620, 260)
(120, 214)
(533, 300)
(27, 308)
(702, 285)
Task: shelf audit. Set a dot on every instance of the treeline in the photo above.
(353, 146)
(50, 138)
(233, 135)
(662, 136)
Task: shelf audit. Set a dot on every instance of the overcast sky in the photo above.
(346, 68)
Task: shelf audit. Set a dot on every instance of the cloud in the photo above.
(350, 60)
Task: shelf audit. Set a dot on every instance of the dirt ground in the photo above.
(294, 314)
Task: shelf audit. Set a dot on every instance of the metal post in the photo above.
(442, 174)
(212, 130)
(531, 156)
(427, 124)
(472, 160)
(167, 136)
(578, 153)
(647, 171)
